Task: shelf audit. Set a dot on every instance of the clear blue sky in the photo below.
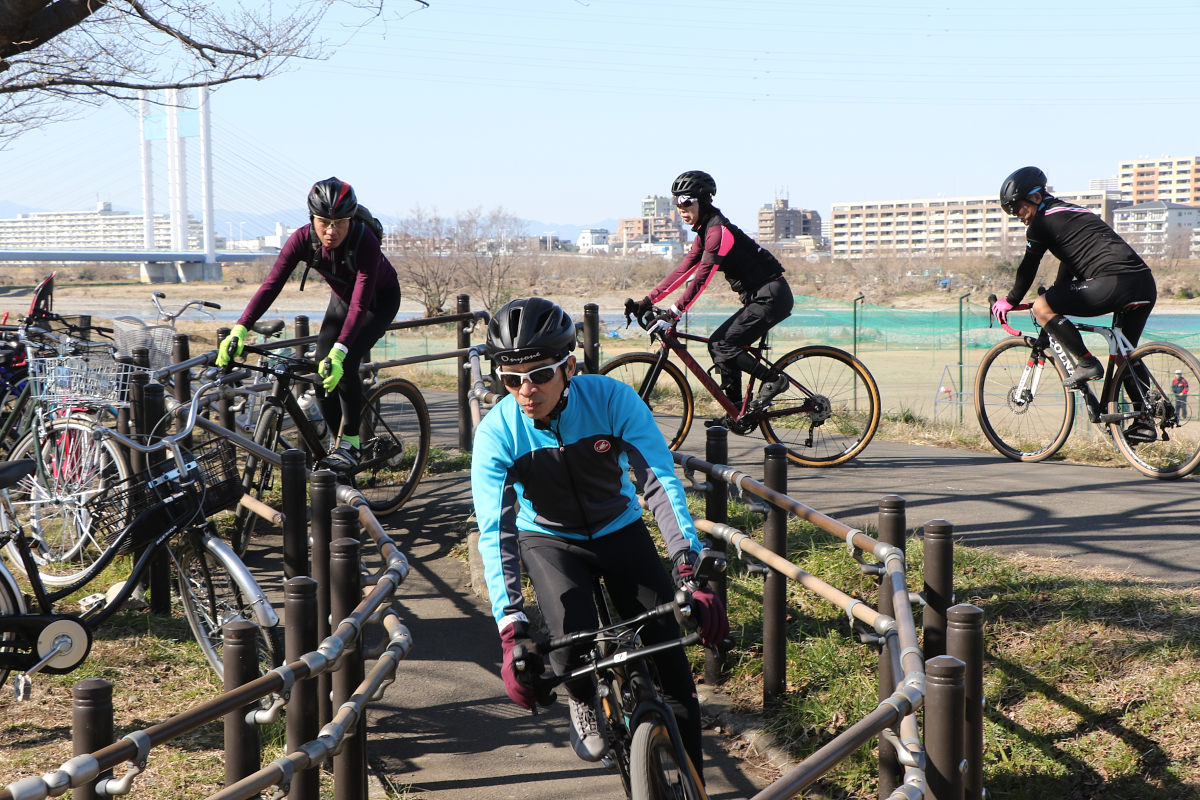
(570, 111)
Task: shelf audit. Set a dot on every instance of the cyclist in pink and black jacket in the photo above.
(752, 271)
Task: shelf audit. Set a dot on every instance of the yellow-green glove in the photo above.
(331, 367)
(231, 346)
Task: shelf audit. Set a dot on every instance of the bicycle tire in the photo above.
(52, 503)
(1176, 453)
(394, 438)
(1023, 424)
(836, 415)
(654, 769)
(671, 400)
(212, 598)
(258, 476)
(10, 606)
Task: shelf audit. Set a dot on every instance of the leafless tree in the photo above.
(491, 257)
(58, 54)
(426, 260)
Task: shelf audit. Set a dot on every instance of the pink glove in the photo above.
(707, 607)
(519, 683)
(1000, 310)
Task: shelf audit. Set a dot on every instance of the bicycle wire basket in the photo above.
(134, 512)
(159, 340)
(91, 379)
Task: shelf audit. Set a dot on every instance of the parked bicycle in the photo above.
(164, 509)
(394, 435)
(826, 416)
(642, 734)
(158, 337)
(1027, 414)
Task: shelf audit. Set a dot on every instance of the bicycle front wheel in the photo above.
(258, 476)
(670, 398)
(830, 410)
(212, 598)
(394, 445)
(52, 504)
(655, 772)
(1149, 373)
(10, 606)
(1023, 408)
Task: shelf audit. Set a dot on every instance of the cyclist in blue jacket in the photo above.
(551, 487)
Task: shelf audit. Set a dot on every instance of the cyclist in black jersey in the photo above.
(1098, 273)
(752, 272)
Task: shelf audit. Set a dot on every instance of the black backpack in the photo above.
(361, 220)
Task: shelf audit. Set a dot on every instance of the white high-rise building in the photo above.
(1174, 180)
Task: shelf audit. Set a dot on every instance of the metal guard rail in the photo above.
(135, 747)
(907, 659)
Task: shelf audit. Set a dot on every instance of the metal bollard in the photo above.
(591, 338)
(350, 765)
(300, 604)
(181, 389)
(300, 325)
(939, 584)
(775, 477)
(892, 528)
(154, 403)
(716, 509)
(239, 652)
(137, 414)
(964, 641)
(294, 487)
(91, 726)
(324, 498)
(465, 433)
(944, 728)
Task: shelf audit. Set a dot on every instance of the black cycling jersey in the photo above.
(719, 245)
(1080, 239)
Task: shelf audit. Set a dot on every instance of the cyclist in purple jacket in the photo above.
(364, 300)
(752, 272)
(1098, 273)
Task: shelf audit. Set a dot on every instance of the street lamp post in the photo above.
(241, 236)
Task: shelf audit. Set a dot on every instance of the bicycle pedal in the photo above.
(92, 603)
(22, 688)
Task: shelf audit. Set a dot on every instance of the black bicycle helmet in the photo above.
(1020, 185)
(529, 329)
(694, 183)
(332, 199)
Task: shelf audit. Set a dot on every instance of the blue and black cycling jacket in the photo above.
(1083, 242)
(570, 478)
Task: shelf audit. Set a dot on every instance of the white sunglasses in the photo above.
(513, 380)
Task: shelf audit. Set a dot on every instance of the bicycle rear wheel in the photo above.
(1022, 406)
(52, 504)
(671, 399)
(10, 606)
(830, 410)
(655, 772)
(394, 445)
(1154, 367)
(212, 598)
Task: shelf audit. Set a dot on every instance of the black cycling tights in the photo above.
(346, 401)
(561, 572)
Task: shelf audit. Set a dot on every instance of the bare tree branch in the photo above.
(58, 55)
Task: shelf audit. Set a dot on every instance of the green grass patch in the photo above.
(1092, 681)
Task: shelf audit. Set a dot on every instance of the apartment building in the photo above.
(1173, 180)
(593, 240)
(99, 229)
(941, 227)
(1159, 229)
(778, 223)
(659, 222)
